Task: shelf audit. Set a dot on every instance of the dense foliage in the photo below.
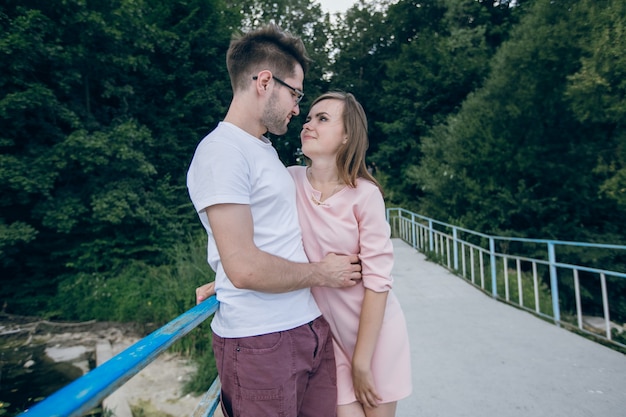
(505, 117)
(101, 107)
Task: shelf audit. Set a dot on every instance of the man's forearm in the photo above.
(264, 272)
(248, 267)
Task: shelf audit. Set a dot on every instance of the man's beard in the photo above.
(272, 119)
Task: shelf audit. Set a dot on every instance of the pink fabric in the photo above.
(353, 221)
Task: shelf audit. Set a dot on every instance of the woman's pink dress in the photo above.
(352, 221)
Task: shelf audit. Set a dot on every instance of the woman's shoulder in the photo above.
(366, 186)
(297, 172)
(296, 169)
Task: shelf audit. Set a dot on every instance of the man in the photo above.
(272, 347)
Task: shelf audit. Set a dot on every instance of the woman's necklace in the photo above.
(316, 200)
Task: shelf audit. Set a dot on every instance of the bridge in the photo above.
(472, 354)
(476, 356)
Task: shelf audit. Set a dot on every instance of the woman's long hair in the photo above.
(351, 157)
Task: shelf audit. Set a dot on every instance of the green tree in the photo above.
(363, 40)
(445, 53)
(597, 93)
(516, 160)
(102, 105)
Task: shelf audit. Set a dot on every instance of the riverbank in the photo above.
(54, 352)
(156, 391)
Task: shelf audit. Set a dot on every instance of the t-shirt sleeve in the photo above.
(376, 248)
(218, 174)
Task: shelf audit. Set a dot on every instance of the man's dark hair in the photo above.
(268, 47)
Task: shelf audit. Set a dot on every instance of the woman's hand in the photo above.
(204, 292)
(372, 313)
(364, 388)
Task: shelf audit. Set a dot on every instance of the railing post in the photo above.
(579, 309)
(413, 237)
(455, 249)
(492, 260)
(554, 285)
(605, 306)
(430, 235)
(209, 402)
(388, 217)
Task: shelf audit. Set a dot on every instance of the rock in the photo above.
(66, 354)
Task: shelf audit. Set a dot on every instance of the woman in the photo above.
(341, 210)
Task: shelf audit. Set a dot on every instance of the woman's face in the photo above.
(323, 133)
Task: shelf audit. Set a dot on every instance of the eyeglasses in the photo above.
(297, 94)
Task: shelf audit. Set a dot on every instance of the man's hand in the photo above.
(340, 271)
(204, 292)
(250, 268)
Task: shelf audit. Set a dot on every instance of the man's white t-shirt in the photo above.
(232, 166)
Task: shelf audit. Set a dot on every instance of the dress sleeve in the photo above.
(375, 241)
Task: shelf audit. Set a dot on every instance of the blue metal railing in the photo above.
(471, 254)
(460, 250)
(92, 388)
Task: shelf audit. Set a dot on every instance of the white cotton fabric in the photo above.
(232, 166)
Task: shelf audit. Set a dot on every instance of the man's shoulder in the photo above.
(223, 131)
(223, 136)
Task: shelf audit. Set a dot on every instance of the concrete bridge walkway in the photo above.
(477, 357)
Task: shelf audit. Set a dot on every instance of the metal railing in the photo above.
(524, 272)
(91, 389)
(515, 267)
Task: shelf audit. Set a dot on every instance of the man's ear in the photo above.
(263, 79)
